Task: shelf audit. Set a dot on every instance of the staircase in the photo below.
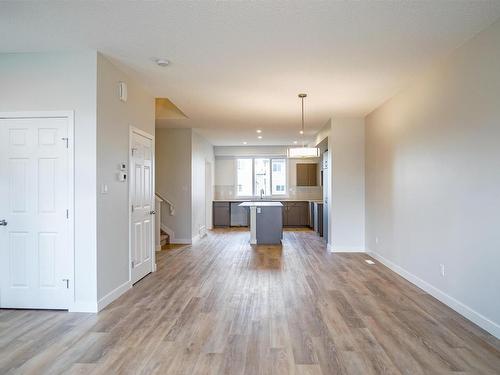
(164, 239)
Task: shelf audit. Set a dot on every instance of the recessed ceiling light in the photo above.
(295, 142)
(260, 137)
(301, 132)
(259, 131)
(162, 62)
(244, 143)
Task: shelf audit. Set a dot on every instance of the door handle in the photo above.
(152, 212)
(3, 223)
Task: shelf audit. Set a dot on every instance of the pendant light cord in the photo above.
(302, 96)
(302, 114)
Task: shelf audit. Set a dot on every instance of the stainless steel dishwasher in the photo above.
(239, 215)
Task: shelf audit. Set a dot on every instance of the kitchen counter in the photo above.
(261, 204)
(269, 200)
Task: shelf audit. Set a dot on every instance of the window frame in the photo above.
(254, 193)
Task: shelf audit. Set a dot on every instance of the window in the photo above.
(278, 176)
(262, 177)
(256, 175)
(244, 171)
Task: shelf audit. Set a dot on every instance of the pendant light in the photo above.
(303, 152)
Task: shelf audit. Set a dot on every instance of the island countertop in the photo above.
(261, 204)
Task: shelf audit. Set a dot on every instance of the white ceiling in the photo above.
(238, 66)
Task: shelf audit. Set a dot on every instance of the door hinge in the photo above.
(67, 141)
(67, 283)
(132, 264)
(132, 208)
(67, 213)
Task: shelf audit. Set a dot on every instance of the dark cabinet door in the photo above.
(221, 214)
(312, 174)
(307, 174)
(302, 174)
(304, 214)
(297, 214)
(284, 210)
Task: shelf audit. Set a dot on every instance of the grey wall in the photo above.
(114, 119)
(202, 152)
(433, 180)
(173, 179)
(54, 82)
(347, 178)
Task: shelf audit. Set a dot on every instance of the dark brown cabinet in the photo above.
(221, 214)
(307, 174)
(295, 214)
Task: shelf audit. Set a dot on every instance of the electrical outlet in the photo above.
(441, 267)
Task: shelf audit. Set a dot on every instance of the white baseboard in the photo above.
(346, 249)
(181, 241)
(158, 248)
(114, 294)
(84, 307)
(462, 309)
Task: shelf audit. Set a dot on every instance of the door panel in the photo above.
(141, 185)
(36, 255)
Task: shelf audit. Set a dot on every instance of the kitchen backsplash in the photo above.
(295, 192)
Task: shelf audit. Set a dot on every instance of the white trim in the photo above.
(158, 248)
(84, 307)
(181, 241)
(346, 249)
(167, 230)
(70, 116)
(132, 130)
(448, 300)
(113, 295)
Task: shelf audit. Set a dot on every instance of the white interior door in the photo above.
(142, 200)
(36, 251)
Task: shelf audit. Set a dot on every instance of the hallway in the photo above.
(222, 307)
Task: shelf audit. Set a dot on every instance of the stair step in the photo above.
(164, 239)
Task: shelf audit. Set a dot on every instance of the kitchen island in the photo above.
(266, 222)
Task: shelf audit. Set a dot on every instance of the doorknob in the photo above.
(3, 223)
(152, 212)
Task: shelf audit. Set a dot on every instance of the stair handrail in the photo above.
(170, 204)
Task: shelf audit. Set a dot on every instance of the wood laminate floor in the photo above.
(223, 307)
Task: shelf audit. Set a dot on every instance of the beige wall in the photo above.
(433, 180)
(114, 119)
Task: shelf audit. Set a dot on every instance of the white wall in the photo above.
(64, 81)
(347, 176)
(202, 152)
(433, 180)
(114, 118)
(173, 179)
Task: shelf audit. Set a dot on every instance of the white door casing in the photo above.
(141, 194)
(36, 190)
